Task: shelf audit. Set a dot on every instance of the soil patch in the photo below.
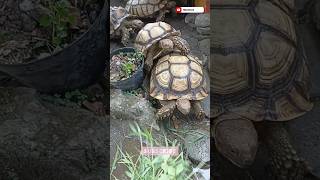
(124, 65)
(34, 29)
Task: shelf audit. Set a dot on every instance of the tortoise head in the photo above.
(236, 139)
(137, 24)
(166, 44)
(183, 105)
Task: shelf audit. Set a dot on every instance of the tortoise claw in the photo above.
(200, 115)
(199, 112)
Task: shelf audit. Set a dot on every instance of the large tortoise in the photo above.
(122, 24)
(178, 82)
(159, 38)
(150, 8)
(259, 79)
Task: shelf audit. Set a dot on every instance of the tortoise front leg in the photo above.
(285, 163)
(198, 110)
(125, 35)
(149, 58)
(181, 44)
(166, 110)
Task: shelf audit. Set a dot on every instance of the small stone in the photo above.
(288, 164)
(43, 55)
(204, 30)
(28, 24)
(26, 5)
(204, 46)
(2, 19)
(289, 157)
(203, 36)
(202, 20)
(6, 52)
(190, 18)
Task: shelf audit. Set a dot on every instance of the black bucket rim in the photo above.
(104, 8)
(114, 52)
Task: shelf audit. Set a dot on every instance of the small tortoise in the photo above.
(156, 39)
(122, 24)
(150, 8)
(178, 81)
(259, 78)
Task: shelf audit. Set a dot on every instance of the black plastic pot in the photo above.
(133, 82)
(78, 65)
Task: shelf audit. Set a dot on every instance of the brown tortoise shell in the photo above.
(258, 69)
(176, 76)
(151, 33)
(144, 8)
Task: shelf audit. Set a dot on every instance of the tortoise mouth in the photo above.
(234, 158)
(184, 106)
(243, 164)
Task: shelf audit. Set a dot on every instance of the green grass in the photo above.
(134, 60)
(136, 92)
(76, 96)
(58, 20)
(140, 167)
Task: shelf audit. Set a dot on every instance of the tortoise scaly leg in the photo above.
(149, 58)
(125, 35)
(166, 110)
(181, 44)
(285, 163)
(175, 122)
(198, 110)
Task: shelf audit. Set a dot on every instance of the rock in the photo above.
(133, 108)
(204, 30)
(204, 46)
(2, 20)
(198, 148)
(39, 140)
(202, 20)
(43, 55)
(190, 19)
(201, 37)
(28, 24)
